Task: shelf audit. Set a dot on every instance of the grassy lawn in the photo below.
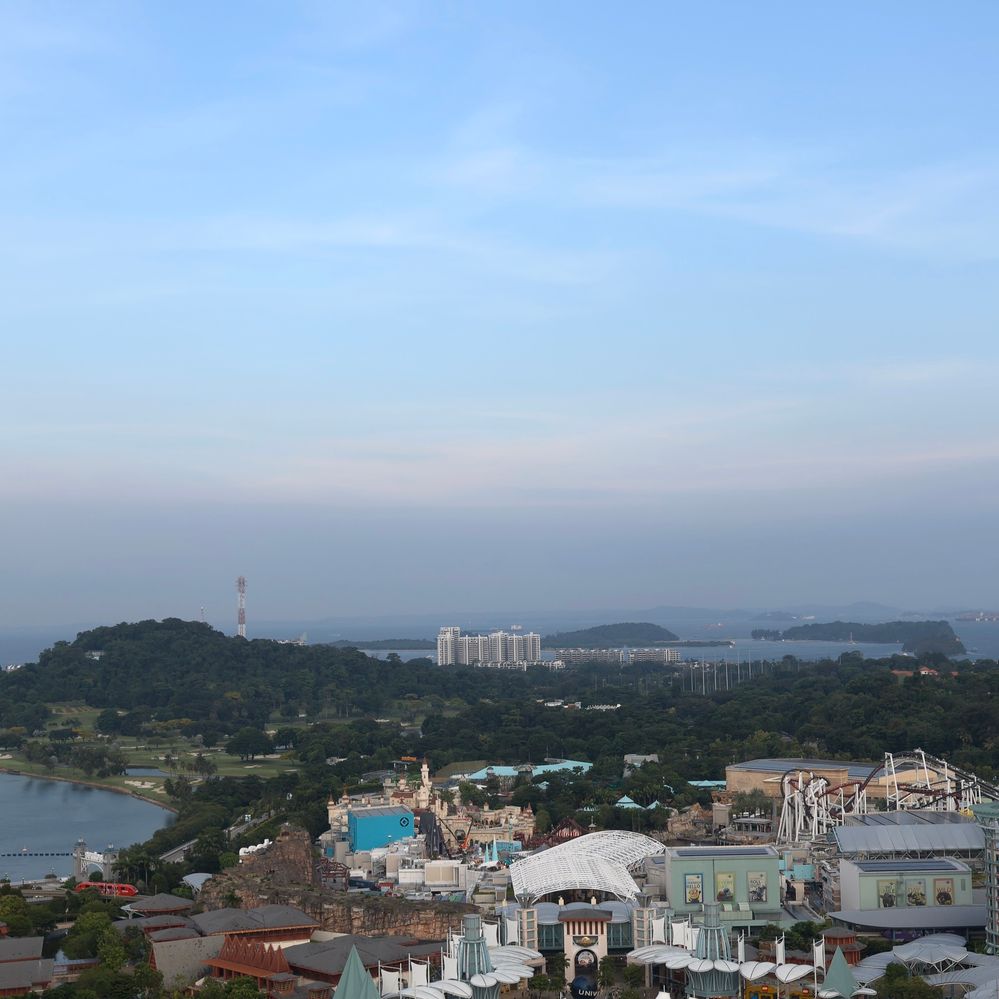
(151, 786)
(147, 754)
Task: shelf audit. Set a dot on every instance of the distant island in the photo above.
(385, 643)
(917, 637)
(610, 636)
(703, 643)
(767, 634)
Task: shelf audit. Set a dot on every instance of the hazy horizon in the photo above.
(393, 309)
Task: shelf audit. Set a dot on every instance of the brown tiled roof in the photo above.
(264, 917)
(20, 949)
(250, 957)
(163, 902)
(25, 974)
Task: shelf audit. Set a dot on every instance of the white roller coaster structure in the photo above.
(812, 805)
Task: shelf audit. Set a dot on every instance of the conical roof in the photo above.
(839, 978)
(355, 982)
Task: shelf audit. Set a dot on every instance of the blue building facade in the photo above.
(378, 826)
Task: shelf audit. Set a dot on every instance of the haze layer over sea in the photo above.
(981, 638)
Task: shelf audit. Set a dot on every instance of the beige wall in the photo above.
(769, 782)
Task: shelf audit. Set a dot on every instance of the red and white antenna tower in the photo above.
(241, 617)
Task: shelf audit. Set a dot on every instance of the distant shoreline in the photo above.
(89, 783)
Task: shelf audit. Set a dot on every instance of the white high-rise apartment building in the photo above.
(447, 645)
(498, 647)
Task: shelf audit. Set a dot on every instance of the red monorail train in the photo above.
(110, 888)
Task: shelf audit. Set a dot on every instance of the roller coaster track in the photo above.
(811, 805)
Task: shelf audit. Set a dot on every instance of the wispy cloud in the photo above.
(399, 233)
(938, 207)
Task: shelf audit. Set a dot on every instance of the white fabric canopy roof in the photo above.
(597, 862)
(534, 877)
(656, 954)
(753, 971)
(452, 987)
(920, 952)
(514, 953)
(616, 845)
(787, 973)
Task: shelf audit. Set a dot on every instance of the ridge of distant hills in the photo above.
(609, 636)
(917, 637)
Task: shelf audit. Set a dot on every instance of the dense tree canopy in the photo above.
(184, 677)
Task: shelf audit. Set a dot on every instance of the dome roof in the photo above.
(599, 862)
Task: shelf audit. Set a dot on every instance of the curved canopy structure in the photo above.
(787, 973)
(753, 971)
(598, 862)
(535, 877)
(452, 987)
(514, 954)
(932, 956)
(657, 954)
(615, 845)
(935, 955)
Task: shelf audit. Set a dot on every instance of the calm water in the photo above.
(981, 639)
(51, 815)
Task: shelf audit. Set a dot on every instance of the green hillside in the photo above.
(609, 636)
(918, 637)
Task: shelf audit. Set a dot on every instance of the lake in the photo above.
(51, 815)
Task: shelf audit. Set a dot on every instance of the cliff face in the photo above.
(380, 916)
(285, 874)
(288, 862)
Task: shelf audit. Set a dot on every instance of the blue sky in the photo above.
(409, 307)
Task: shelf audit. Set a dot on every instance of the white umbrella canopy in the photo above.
(700, 965)
(657, 954)
(522, 970)
(679, 962)
(667, 954)
(753, 971)
(787, 973)
(722, 965)
(930, 953)
(516, 952)
(452, 987)
(506, 976)
(639, 953)
(420, 992)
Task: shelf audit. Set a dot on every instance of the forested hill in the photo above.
(180, 669)
(385, 643)
(609, 636)
(919, 637)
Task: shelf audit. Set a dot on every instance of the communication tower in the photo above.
(241, 617)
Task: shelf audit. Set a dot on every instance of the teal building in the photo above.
(902, 897)
(378, 826)
(745, 882)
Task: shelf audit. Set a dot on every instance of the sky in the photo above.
(417, 307)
